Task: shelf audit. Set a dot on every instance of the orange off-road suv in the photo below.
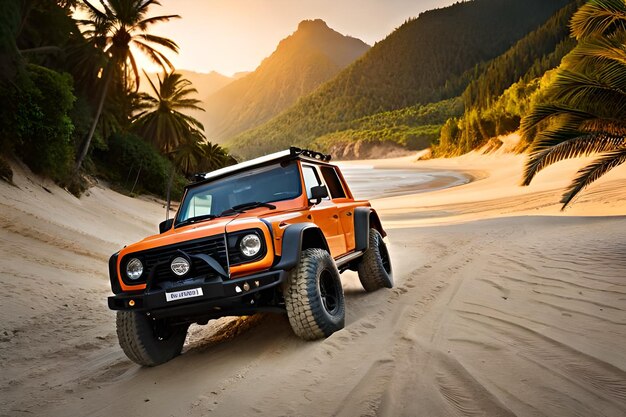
(271, 234)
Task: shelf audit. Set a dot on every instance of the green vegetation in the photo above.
(583, 111)
(502, 92)
(68, 87)
(161, 120)
(426, 60)
(413, 128)
(113, 30)
(37, 126)
(136, 166)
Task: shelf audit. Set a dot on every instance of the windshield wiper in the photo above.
(196, 219)
(240, 208)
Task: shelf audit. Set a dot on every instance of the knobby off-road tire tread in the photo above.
(371, 271)
(307, 316)
(136, 337)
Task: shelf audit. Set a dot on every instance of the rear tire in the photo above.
(137, 335)
(375, 267)
(314, 296)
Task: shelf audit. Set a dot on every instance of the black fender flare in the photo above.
(115, 283)
(296, 238)
(364, 218)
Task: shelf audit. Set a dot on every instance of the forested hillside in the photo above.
(500, 93)
(412, 128)
(426, 60)
(310, 56)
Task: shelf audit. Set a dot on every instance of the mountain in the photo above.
(425, 60)
(240, 74)
(313, 54)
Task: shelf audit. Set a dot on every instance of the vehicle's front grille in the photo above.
(213, 246)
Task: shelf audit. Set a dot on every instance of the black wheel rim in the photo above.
(329, 292)
(384, 256)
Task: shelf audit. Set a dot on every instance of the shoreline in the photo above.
(494, 191)
(399, 181)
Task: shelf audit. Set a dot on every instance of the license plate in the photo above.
(179, 295)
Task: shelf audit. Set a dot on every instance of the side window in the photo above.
(310, 179)
(333, 182)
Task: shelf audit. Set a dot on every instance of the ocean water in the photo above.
(367, 182)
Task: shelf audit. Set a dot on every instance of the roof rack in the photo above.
(310, 154)
(292, 152)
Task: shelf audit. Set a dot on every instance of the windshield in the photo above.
(263, 185)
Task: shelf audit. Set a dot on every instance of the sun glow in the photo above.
(142, 60)
(231, 36)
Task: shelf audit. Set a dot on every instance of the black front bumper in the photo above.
(219, 297)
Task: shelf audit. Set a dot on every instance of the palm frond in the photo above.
(95, 11)
(107, 10)
(598, 18)
(133, 65)
(577, 87)
(159, 40)
(602, 48)
(613, 126)
(544, 112)
(143, 24)
(190, 103)
(156, 56)
(566, 146)
(183, 92)
(156, 90)
(592, 172)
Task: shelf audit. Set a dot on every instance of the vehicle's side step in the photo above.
(344, 262)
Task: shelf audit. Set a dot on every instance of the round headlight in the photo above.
(134, 269)
(250, 245)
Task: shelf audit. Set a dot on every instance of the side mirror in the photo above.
(318, 193)
(165, 225)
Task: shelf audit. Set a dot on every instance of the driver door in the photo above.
(325, 214)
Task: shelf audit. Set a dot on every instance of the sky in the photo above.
(229, 36)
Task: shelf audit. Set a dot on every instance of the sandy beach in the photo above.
(503, 305)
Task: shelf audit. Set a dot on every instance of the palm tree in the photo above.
(161, 120)
(121, 24)
(584, 112)
(189, 155)
(214, 157)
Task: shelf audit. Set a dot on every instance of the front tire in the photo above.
(148, 342)
(314, 296)
(375, 267)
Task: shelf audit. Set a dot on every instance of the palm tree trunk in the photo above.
(169, 189)
(85, 148)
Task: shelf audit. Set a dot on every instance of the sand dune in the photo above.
(503, 306)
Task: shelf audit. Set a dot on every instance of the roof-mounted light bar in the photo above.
(292, 152)
(310, 154)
